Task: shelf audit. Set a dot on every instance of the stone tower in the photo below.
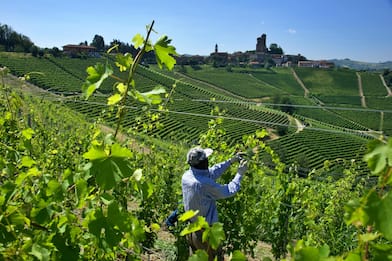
(261, 46)
(216, 48)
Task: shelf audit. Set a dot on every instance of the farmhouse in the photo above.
(315, 64)
(73, 49)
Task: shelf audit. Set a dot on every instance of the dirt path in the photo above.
(386, 86)
(363, 99)
(306, 94)
(300, 125)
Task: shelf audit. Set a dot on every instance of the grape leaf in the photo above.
(138, 40)
(124, 62)
(150, 97)
(114, 99)
(215, 235)
(96, 75)
(239, 256)
(165, 52)
(200, 255)
(188, 215)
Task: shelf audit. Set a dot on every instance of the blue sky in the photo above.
(318, 29)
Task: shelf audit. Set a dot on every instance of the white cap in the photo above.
(197, 155)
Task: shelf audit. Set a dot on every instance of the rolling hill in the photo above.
(357, 65)
(312, 115)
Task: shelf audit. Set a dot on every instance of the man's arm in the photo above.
(218, 169)
(218, 191)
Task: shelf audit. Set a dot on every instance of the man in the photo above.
(200, 191)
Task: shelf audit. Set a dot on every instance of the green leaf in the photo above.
(95, 153)
(151, 97)
(107, 173)
(215, 235)
(384, 221)
(155, 227)
(195, 226)
(109, 169)
(353, 257)
(368, 237)
(7, 190)
(95, 221)
(188, 215)
(27, 162)
(379, 156)
(40, 252)
(238, 256)
(81, 192)
(165, 52)
(96, 75)
(120, 152)
(124, 62)
(114, 99)
(115, 216)
(54, 188)
(307, 253)
(200, 255)
(324, 251)
(28, 133)
(355, 214)
(138, 40)
(42, 213)
(121, 88)
(381, 252)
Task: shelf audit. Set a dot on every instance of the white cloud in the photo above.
(292, 31)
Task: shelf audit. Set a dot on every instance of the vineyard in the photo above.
(195, 93)
(70, 190)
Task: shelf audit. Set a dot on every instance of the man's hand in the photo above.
(237, 157)
(243, 167)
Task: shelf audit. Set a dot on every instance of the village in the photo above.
(262, 56)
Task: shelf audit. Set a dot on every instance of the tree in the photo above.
(287, 109)
(275, 49)
(98, 42)
(34, 51)
(55, 52)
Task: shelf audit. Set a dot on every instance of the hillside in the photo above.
(357, 65)
(329, 122)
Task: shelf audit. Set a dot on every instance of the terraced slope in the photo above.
(195, 96)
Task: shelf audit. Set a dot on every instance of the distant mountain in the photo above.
(356, 65)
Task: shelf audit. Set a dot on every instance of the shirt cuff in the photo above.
(237, 178)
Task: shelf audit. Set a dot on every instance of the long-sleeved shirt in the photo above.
(200, 190)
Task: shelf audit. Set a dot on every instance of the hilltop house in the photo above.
(72, 49)
(315, 64)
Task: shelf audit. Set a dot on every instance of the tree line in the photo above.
(11, 41)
